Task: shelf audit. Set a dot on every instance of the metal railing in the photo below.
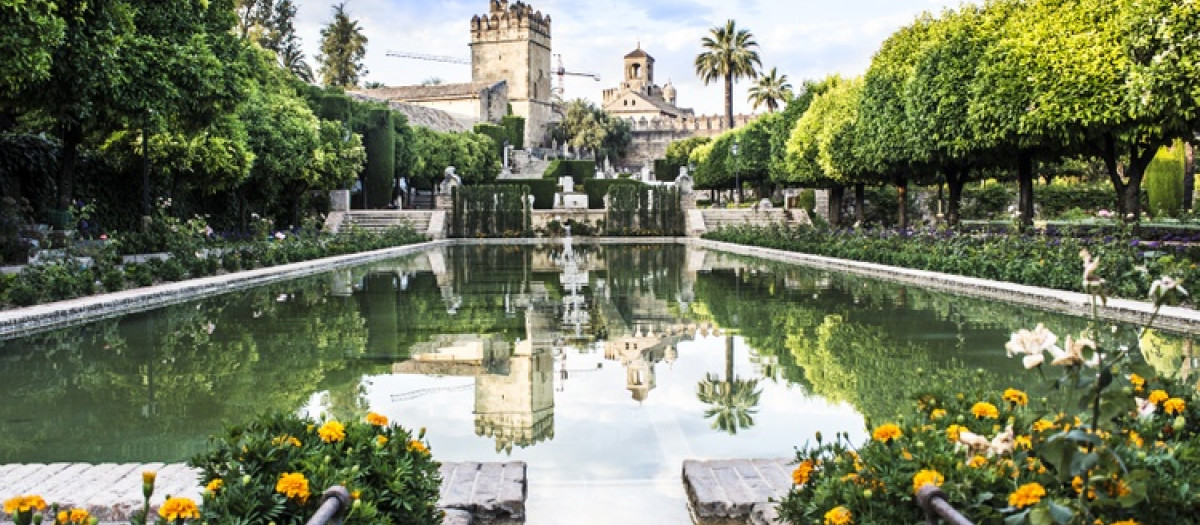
(334, 504)
(933, 501)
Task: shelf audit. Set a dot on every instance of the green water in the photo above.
(605, 364)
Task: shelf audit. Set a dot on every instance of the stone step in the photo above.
(471, 492)
(736, 489)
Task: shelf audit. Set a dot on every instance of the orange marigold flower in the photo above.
(214, 485)
(839, 515)
(1136, 440)
(332, 432)
(1042, 425)
(977, 461)
(937, 413)
(1023, 442)
(176, 508)
(887, 432)
(927, 477)
(293, 485)
(1174, 406)
(381, 440)
(378, 420)
(418, 447)
(1016, 397)
(24, 503)
(78, 516)
(952, 432)
(1137, 381)
(985, 410)
(803, 472)
(1126, 522)
(1027, 495)
(1158, 396)
(286, 440)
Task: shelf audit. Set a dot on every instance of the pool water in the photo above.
(602, 367)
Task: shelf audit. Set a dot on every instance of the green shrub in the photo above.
(497, 133)
(990, 201)
(380, 143)
(1164, 182)
(596, 189)
(580, 170)
(1055, 199)
(543, 190)
(514, 128)
(275, 469)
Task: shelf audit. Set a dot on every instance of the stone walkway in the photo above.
(736, 490)
(471, 492)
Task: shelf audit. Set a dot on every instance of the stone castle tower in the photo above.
(512, 43)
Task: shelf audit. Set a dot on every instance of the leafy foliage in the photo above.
(343, 47)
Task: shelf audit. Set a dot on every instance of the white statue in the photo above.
(646, 172)
(684, 181)
(599, 173)
(450, 181)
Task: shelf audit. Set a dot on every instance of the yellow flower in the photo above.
(1042, 425)
(178, 508)
(977, 461)
(418, 447)
(1158, 396)
(378, 420)
(839, 515)
(77, 516)
(285, 439)
(1027, 495)
(937, 413)
(1137, 381)
(887, 432)
(148, 477)
(214, 485)
(1016, 397)
(927, 477)
(1035, 465)
(293, 485)
(906, 455)
(1126, 522)
(1174, 406)
(24, 503)
(981, 410)
(1136, 440)
(381, 440)
(952, 432)
(1025, 442)
(332, 432)
(356, 494)
(803, 471)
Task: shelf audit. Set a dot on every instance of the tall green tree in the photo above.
(587, 126)
(32, 29)
(821, 148)
(730, 54)
(771, 90)
(343, 46)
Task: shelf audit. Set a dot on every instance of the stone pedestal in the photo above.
(688, 201)
(443, 201)
(339, 200)
(570, 201)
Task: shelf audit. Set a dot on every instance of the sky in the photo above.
(804, 39)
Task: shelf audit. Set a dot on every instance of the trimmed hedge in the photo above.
(1164, 182)
(497, 134)
(580, 170)
(596, 189)
(380, 142)
(514, 128)
(543, 190)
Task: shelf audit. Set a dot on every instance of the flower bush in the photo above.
(1112, 443)
(275, 469)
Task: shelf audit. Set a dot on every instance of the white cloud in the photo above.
(803, 38)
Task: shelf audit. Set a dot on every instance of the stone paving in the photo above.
(492, 493)
(736, 490)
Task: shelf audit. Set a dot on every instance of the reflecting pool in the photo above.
(603, 367)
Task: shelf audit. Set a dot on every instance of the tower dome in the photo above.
(669, 93)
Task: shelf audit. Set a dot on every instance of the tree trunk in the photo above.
(955, 180)
(728, 102)
(1025, 186)
(1109, 155)
(71, 135)
(1189, 174)
(835, 205)
(860, 198)
(902, 201)
(1131, 198)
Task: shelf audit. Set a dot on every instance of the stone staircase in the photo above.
(430, 222)
(526, 166)
(713, 219)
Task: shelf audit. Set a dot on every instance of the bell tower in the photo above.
(639, 70)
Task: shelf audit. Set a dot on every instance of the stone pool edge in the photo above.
(23, 321)
(1124, 310)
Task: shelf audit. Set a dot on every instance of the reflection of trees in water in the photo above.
(153, 386)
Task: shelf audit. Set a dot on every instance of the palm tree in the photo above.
(729, 54)
(732, 401)
(771, 89)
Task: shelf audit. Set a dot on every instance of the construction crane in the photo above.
(430, 58)
(562, 72)
(559, 70)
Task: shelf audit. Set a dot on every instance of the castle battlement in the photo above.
(505, 22)
(699, 124)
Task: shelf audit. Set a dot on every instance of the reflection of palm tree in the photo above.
(732, 401)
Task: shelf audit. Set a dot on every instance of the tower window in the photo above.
(637, 71)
